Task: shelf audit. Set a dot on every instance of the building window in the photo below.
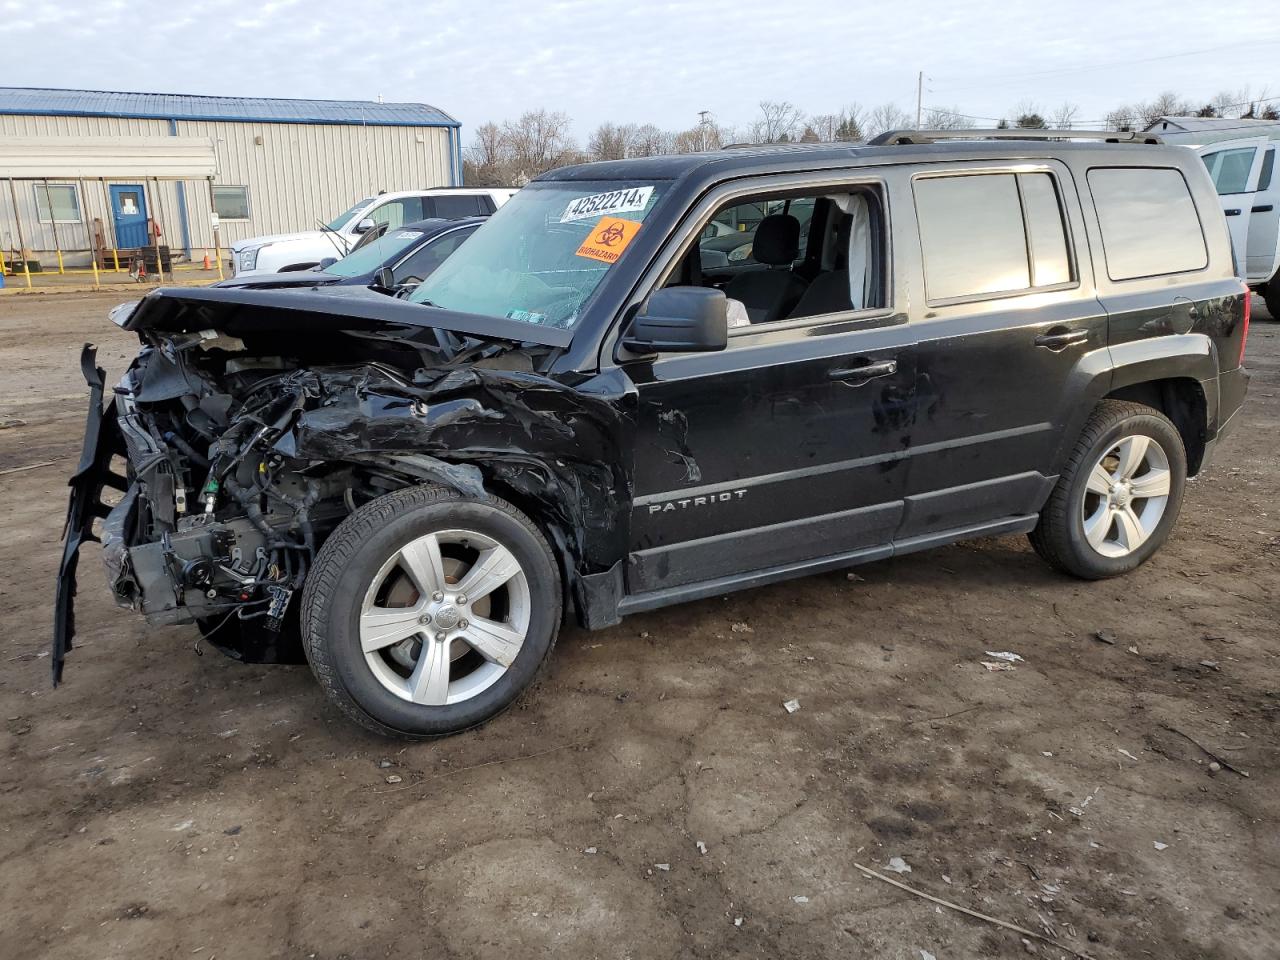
(231, 203)
(57, 203)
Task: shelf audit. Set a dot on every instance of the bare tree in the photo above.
(938, 118)
(779, 121)
(1167, 104)
(486, 162)
(886, 117)
(649, 141)
(845, 125)
(612, 141)
(1064, 117)
(1028, 114)
(537, 142)
(1123, 117)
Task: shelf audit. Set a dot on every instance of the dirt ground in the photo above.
(166, 805)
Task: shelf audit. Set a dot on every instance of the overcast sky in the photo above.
(649, 62)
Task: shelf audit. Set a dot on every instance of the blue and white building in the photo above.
(84, 169)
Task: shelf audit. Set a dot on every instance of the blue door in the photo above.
(129, 210)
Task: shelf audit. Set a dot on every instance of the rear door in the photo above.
(1235, 166)
(1009, 317)
(1263, 249)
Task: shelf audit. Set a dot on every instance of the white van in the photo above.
(1244, 172)
(334, 240)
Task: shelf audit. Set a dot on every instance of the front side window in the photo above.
(57, 203)
(370, 256)
(1149, 222)
(544, 252)
(396, 213)
(423, 262)
(991, 234)
(1229, 169)
(231, 203)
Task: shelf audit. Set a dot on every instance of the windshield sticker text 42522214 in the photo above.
(615, 201)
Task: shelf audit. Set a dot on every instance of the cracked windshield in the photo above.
(543, 253)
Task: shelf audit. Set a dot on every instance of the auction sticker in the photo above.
(616, 201)
(608, 239)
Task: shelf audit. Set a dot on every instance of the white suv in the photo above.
(1244, 173)
(306, 248)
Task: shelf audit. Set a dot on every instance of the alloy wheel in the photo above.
(445, 617)
(1126, 495)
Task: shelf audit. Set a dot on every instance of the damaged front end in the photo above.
(248, 427)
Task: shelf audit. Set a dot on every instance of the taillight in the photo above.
(1244, 335)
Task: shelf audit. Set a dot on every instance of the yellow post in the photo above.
(97, 285)
(115, 256)
(26, 269)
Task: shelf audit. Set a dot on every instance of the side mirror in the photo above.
(680, 320)
(326, 262)
(365, 225)
(385, 278)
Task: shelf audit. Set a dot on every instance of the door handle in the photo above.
(1061, 339)
(1233, 212)
(1265, 208)
(865, 372)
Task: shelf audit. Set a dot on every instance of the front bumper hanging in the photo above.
(102, 441)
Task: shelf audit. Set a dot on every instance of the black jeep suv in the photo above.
(576, 416)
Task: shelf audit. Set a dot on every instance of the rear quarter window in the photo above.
(1149, 223)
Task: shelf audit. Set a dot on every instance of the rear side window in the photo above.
(456, 206)
(1268, 164)
(1149, 223)
(991, 234)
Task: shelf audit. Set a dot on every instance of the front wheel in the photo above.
(428, 613)
(1118, 497)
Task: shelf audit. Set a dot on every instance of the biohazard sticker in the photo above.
(615, 201)
(608, 239)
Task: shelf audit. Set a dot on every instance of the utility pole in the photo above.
(704, 120)
(919, 95)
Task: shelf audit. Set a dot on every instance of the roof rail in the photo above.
(898, 137)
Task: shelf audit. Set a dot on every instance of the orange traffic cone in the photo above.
(206, 262)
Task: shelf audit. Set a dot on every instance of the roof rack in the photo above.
(898, 137)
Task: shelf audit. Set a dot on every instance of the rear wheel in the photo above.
(1118, 498)
(428, 613)
(1271, 297)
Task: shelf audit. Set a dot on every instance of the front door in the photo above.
(129, 211)
(787, 447)
(1235, 167)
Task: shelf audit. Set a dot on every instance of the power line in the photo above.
(1104, 65)
(1084, 123)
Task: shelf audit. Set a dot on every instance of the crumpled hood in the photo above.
(353, 310)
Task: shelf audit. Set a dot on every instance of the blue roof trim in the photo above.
(48, 102)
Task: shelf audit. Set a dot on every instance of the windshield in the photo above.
(370, 256)
(543, 253)
(337, 222)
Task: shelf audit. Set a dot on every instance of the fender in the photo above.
(1101, 372)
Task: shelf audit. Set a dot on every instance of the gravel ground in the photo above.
(166, 805)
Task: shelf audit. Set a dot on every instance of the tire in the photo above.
(364, 566)
(1271, 297)
(1061, 537)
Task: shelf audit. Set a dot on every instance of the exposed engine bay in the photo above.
(246, 443)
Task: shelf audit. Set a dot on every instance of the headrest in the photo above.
(777, 240)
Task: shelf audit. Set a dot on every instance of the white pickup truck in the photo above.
(306, 248)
